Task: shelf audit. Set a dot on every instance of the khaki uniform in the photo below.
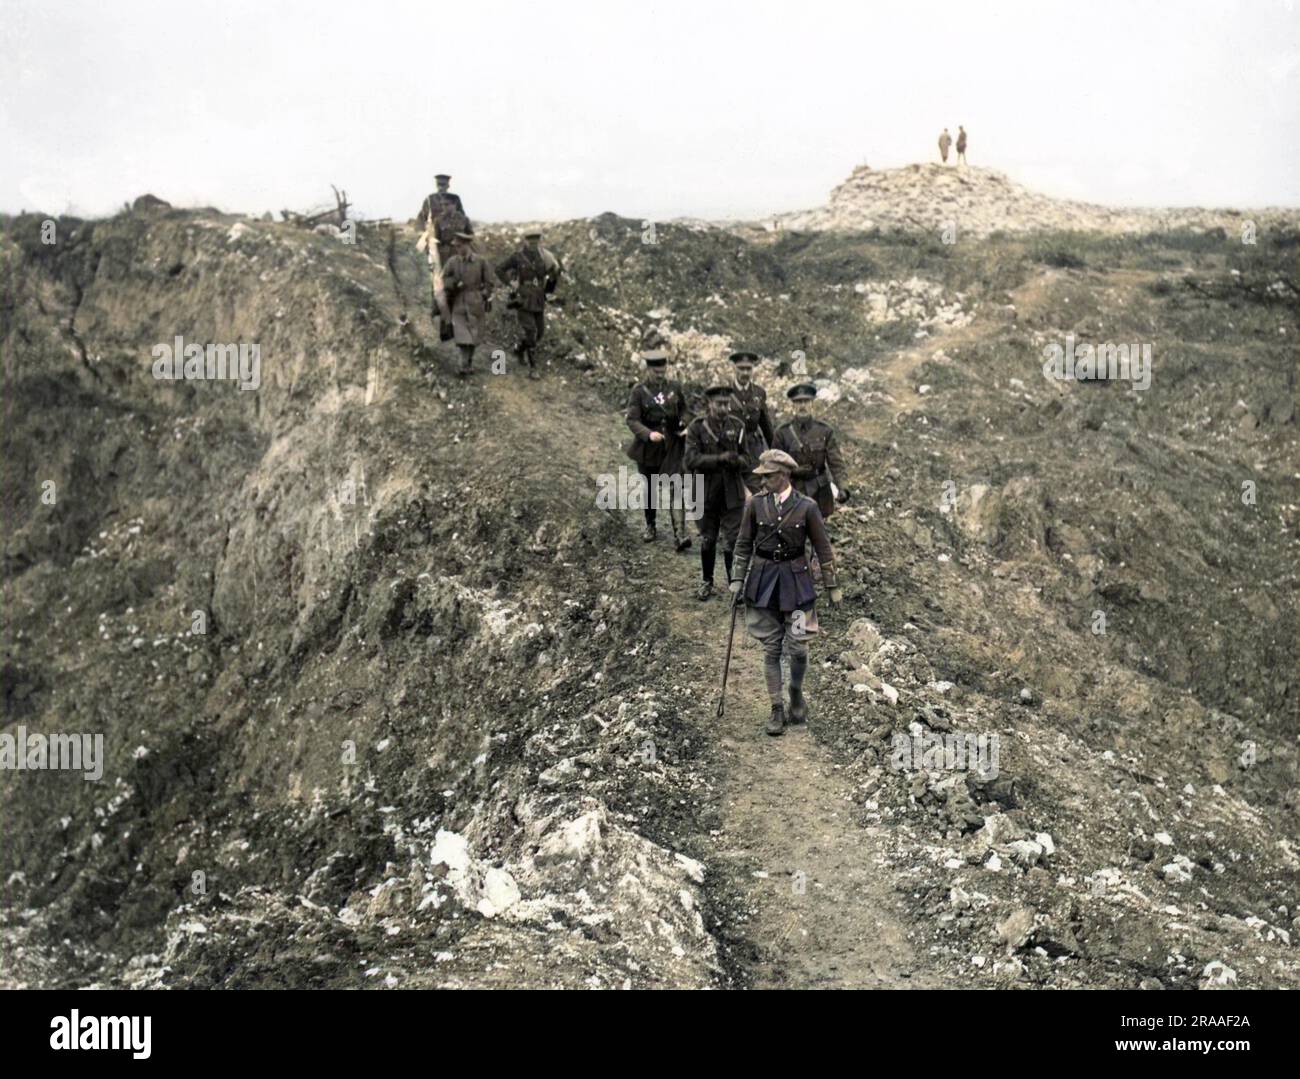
(449, 218)
(811, 442)
(714, 448)
(751, 410)
(534, 275)
(658, 407)
(468, 281)
(780, 600)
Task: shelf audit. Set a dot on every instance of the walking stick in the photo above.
(736, 600)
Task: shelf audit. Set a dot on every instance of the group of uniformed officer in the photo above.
(766, 491)
(766, 494)
(467, 280)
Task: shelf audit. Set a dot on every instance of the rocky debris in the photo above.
(1016, 928)
(148, 203)
(977, 202)
(914, 300)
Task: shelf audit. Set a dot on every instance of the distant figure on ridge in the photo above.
(961, 145)
(945, 140)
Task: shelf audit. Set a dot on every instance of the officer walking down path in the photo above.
(751, 409)
(772, 576)
(444, 214)
(811, 442)
(656, 416)
(532, 273)
(467, 280)
(713, 449)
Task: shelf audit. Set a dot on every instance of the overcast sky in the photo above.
(567, 108)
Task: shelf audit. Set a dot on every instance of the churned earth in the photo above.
(390, 698)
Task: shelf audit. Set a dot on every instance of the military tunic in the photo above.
(774, 535)
(535, 275)
(780, 600)
(449, 218)
(811, 442)
(709, 442)
(657, 407)
(468, 281)
(751, 409)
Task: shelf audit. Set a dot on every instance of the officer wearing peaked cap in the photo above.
(446, 213)
(656, 416)
(811, 442)
(751, 409)
(714, 449)
(533, 272)
(468, 282)
(771, 574)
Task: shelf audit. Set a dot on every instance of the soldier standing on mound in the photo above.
(780, 601)
(811, 442)
(656, 415)
(713, 448)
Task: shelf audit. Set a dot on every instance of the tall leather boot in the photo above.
(681, 538)
(798, 706)
(772, 676)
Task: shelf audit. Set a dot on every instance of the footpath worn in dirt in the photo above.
(814, 899)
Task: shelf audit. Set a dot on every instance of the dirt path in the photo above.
(821, 906)
(896, 373)
(825, 912)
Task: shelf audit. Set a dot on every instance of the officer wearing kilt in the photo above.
(656, 416)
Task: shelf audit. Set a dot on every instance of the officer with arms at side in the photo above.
(446, 213)
(811, 442)
(468, 281)
(656, 413)
(713, 448)
(751, 409)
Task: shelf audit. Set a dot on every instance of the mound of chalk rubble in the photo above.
(977, 202)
